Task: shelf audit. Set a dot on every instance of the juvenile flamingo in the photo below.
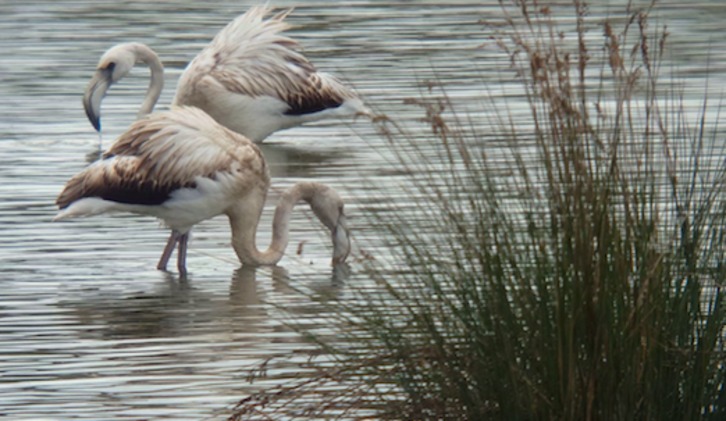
(250, 79)
(183, 167)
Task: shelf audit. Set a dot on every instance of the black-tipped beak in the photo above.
(95, 91)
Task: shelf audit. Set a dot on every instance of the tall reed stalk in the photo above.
(583, 283)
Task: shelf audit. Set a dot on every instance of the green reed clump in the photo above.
(580, 281)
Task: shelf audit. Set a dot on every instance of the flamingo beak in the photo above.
(341, 241)
(95, 92)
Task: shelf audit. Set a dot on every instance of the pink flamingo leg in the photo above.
(170, 244)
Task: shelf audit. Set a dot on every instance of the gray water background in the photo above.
(88, 328)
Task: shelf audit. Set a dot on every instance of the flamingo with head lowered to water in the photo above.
(182, 167)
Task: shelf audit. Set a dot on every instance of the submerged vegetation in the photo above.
(583, 283)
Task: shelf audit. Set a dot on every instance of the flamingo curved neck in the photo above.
(146, 55)
(245, 215)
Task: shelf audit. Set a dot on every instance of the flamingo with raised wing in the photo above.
(182, 167)
(251, 79)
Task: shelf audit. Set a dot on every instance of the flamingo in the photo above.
(250, 78)
(182, 167)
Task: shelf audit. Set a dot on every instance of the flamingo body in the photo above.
(178, 166)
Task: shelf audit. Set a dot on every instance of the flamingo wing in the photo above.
(162, 153)
(251, 57)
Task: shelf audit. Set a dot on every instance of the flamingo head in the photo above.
(115, 63)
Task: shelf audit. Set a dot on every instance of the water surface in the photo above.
(88, 328)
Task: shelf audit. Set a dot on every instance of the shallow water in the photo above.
(88, 328)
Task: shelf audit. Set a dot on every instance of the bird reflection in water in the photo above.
(179, 307)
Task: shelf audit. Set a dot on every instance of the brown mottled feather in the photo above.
(164, 152)
(317, 94)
